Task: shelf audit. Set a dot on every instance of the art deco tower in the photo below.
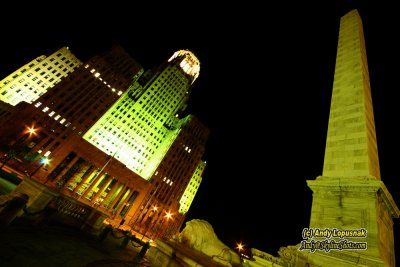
(350, 194)
(144, 131)
(140, 127)
(115, 139)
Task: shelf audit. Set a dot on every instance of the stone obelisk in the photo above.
(350, 194)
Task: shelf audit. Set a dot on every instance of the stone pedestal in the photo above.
(351, 203)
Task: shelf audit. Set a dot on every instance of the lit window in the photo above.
(51, 114)
(97, 74)
(38, 104)
(47, 153)
(62, 121)
(45, 109)
(86, 66)
(119, 92)
(93, 70)
(57, 117)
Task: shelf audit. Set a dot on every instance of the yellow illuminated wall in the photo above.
(141, 126)
(32, 80)
(191, 189)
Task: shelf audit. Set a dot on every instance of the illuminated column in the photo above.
(112, 193)
(101, 189)
(100, 175)
(118, 198)
(92, 171)
(350, 194)
(128, 192)
(74, 183)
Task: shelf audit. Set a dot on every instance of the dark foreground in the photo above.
(55, 245)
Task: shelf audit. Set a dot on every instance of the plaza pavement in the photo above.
(55, 245)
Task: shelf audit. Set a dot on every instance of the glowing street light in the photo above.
(168, 215)
(155, 208)
(16, 148)
(30, 130)
(43, 161)
(240, 247)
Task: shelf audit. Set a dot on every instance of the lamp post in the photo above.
(148, 225)
(168, 216)
(14, 149)
(43, 161)
(240, 247)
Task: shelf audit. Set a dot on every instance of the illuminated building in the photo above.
(115, 139)
(175, 182)
(143, 130)
(141, 126)
(34, 79)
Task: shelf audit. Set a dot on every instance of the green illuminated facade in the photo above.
(141, 126)
(191, 189)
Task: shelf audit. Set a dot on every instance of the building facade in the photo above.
(34, 79)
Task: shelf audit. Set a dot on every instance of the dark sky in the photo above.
(264, 91)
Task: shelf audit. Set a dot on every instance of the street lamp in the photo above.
(15, 149)
(240, 247)
(155, 208)
(168, 216)
(43, 161)
(31, 130)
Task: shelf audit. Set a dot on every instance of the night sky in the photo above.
(264, 91)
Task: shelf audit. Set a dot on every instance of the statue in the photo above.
(199, 235)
